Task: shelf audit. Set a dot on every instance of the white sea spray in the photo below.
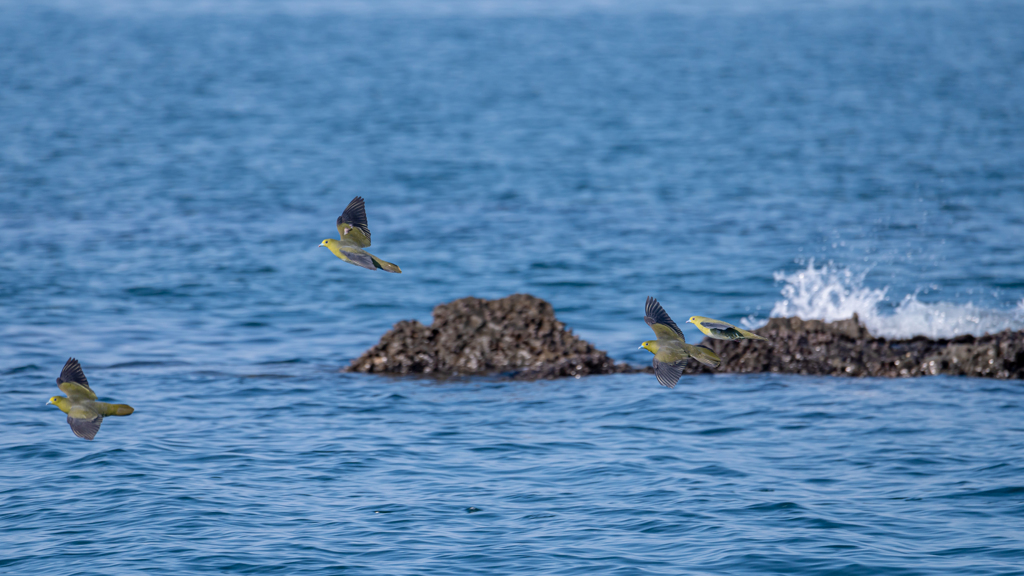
(829, 292)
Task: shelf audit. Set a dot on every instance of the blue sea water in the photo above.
(167, 170)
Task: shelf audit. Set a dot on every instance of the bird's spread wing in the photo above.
(76, 391)
(359, 258)
(72, 372)
(654, 315)
(665, 333)
(352, 224)
(716, 325)
(85, 427)
(668, 374)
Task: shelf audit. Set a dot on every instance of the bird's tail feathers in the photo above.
(705, 356)
(751, 335)
(120, 410)
(386, 266)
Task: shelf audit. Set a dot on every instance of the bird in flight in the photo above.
(85, 414)
(721, 330)
(355, 235)
(671, 352)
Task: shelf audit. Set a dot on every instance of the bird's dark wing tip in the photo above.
(355, 214)
(85, 428)
(72, 372)
(655, 314)
(668, 374)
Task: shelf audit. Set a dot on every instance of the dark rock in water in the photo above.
(845, 348)
(517, 336)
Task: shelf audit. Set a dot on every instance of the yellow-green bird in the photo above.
(721, 330)
(85, 414)
(355, 235)
(671, 352)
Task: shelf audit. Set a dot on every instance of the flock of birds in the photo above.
(671, 352)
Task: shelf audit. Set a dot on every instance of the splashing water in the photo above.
(831, 293)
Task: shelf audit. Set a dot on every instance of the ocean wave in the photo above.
(830, 293)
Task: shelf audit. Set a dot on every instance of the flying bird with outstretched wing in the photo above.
(671, 352)
(85, 413)
(355, 235)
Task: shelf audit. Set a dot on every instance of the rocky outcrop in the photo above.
(845, 348)
(517, 336)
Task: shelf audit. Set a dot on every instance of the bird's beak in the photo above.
(688, 322)
(640, 347)
(48, 402)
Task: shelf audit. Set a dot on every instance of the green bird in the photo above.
(671, 352)
(85, 414)
(721, 330)
(355, 235)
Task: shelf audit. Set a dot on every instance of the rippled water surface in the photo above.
(168, 169)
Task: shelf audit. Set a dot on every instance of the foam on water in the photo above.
(830, 293)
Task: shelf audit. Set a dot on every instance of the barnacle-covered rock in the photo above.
(517, 336)
(846, 348)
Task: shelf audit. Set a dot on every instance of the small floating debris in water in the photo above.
(382, 511)
(472, 509)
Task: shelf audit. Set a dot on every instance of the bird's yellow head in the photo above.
(692, 320)
(59, 402)
(327, 242)
(651, 346)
